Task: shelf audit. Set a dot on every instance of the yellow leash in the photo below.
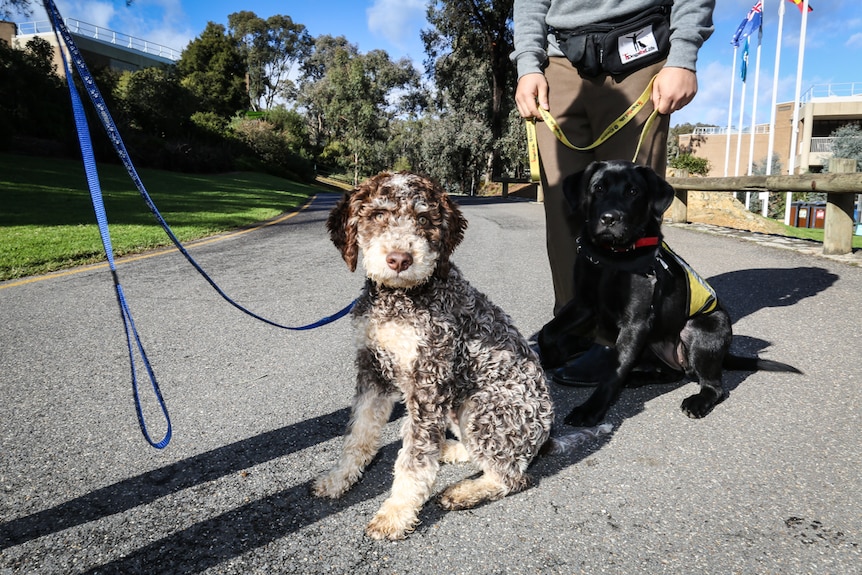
(616, 126)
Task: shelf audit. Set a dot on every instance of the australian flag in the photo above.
(753, 21)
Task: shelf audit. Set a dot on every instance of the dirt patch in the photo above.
(722, 209)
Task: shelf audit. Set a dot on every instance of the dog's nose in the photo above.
(609, 218)
(399, 261)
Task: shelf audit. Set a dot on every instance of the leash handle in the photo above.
(613, 128)
(94, 185)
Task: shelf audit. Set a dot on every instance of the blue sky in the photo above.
(834, 39)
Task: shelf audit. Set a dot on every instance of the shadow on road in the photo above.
(744, 292)
(214, 540)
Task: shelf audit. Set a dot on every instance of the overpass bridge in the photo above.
(100, 46)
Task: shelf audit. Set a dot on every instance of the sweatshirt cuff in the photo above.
(530, 63)
(683, 54)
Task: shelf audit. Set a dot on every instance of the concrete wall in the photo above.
(7, 31)
(714, 147)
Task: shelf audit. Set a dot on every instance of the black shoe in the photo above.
(588, 369)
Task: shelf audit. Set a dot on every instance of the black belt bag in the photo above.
(618, 48)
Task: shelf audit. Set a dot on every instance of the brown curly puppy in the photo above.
(427, 337)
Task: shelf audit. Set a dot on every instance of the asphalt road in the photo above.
(769, 482)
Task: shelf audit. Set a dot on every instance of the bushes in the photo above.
(34, 107)
(272, 148)
(159, 118)
(694, 165)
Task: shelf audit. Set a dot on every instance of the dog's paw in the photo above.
(454, 452)
(330, 485)
(469, 493)
(700, 404)
(583, 416)
(392, 522)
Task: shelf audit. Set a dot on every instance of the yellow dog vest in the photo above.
(702, 299)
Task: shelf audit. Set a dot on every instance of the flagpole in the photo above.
(771, 147)
(730, 114)
(793, 145)
(741, 114)
(754, 104)
(739, 130)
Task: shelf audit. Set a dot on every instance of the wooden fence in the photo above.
(840, 192)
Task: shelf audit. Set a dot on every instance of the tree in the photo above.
(847, 143)
(351, 99)
(456, 142)
(474, 38)
(212, 68)
(271, 48)
(154, 102)
(759, 168)
(314, 87)
(673, 147)
(34, 102)
(9, 7)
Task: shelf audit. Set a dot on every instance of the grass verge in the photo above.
(47, 221)
(813, 234)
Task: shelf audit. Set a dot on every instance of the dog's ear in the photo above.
(455, 224)
(342, 225)
(576, 186)
(661, 193)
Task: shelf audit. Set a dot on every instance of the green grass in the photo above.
(813, 234)
(47, 221)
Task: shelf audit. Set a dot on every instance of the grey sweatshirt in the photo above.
(690, 24)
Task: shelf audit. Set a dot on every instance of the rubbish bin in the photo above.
(808, 214)
(799, 214)
(817, 218)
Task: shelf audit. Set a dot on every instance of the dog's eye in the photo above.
(598, 189)
(423, 221)
(379, 216)
(634, 191)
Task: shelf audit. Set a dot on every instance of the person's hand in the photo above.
(673, 89)
(532, 88)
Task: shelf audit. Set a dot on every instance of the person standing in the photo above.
(586, 62)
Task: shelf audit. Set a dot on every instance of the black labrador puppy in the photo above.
(631, 289)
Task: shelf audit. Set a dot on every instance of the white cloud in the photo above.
(710, 104)
(96, 13)
(396, 20)
(855, 41)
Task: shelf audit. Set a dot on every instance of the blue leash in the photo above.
(93, 183)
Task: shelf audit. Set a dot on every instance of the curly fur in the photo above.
(428, 338)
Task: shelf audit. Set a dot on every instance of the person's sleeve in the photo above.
(690, 26)
(531, 33)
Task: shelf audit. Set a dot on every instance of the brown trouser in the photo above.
(584, 108)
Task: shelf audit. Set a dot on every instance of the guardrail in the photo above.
(840, 192)
(103, 34)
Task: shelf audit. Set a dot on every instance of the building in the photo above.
(823, 109)
(100, 47)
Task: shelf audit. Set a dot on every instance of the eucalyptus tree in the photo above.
(847, 143)
(468, 57)
(351, 100)
(212, 68)
(273, 48)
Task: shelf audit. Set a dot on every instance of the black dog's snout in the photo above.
(609, 218)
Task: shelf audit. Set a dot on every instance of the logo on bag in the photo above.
(637, 44)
